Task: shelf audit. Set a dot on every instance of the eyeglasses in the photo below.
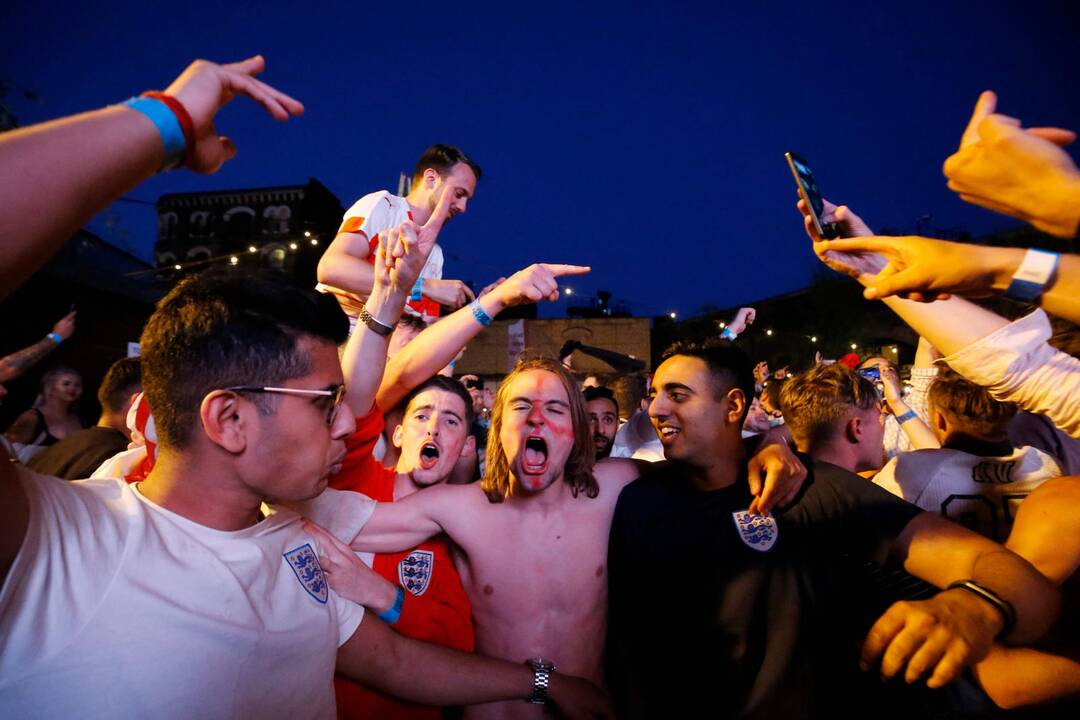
(337, 392)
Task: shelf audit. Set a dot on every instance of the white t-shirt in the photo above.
(981, 493)
(372, 215)
(637, 439)
(116, 607)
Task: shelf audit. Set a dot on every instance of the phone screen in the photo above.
(804, 178)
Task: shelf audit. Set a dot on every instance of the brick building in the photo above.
(289, 227)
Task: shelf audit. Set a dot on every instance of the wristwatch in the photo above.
(542, 670)
(379, 328)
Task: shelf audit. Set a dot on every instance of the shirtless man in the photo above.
(534, 534)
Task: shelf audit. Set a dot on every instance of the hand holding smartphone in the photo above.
(808, 189)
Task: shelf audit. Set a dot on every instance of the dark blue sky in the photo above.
(644, 139)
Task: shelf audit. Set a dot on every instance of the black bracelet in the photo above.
(1003, 606)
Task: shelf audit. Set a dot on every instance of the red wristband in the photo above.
(182, 116)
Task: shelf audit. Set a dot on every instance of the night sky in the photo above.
(644, 139)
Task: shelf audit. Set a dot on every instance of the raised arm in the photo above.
(15, 364)
(938, 268)
(1022, 172)
(400, 256)
(435, 347)
(55, 176)
(917, 431)
(1012, 360)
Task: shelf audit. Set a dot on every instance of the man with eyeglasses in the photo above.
(175, 597)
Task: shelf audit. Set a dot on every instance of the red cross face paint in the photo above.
(537, 432)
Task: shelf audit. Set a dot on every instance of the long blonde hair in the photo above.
(578, 470)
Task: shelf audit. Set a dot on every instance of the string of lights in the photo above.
(232, 258)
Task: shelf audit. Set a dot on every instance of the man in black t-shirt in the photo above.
(713, 612)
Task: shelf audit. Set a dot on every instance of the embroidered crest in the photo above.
(305, 565)
(757, 531)
(414, 571)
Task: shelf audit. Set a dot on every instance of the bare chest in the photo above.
(538, 586)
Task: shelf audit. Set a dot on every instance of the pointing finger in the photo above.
(442, 209)
(559, 270)
(1058, 136)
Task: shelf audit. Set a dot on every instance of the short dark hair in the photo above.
(412, 322)
(122, 380)
(601, 393)
(971, 406)
(223, 328)
(630, 390)
(730, 367)
(442, 159)
(447, 384)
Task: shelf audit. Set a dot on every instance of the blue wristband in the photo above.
(909, 415)
(728, 334)
(168, 126)
(417, 290)
(478, 312)
(55, 338)
(392, 615)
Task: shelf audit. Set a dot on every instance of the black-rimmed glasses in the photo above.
(337, 392)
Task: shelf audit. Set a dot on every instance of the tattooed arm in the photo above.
(15, 364)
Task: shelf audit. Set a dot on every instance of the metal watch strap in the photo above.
(542, 670)
(379, 328)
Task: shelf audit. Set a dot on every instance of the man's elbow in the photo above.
(326, 270)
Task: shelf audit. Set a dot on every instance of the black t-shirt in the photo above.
(710, 616)
(78, 456)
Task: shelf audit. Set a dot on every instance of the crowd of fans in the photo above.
(290, 506)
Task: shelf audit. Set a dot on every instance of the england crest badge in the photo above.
(306, 566)
(414, 571)
(757, 531)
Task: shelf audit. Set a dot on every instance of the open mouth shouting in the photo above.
(429, 455)
(535, 457)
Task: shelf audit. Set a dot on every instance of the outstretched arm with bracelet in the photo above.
(55, 176)
(440, 343)
(15, 364)
(1012, 360)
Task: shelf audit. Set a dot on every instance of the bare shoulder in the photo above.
(1055, 496)
(455, 497)
(613, 474)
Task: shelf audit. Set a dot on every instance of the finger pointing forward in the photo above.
(559, 270)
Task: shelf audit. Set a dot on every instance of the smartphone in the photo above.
(804, 178)
(871, 373)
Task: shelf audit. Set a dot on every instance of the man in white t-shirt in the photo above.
(346, 268)
(977, 477)
(175, 597)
